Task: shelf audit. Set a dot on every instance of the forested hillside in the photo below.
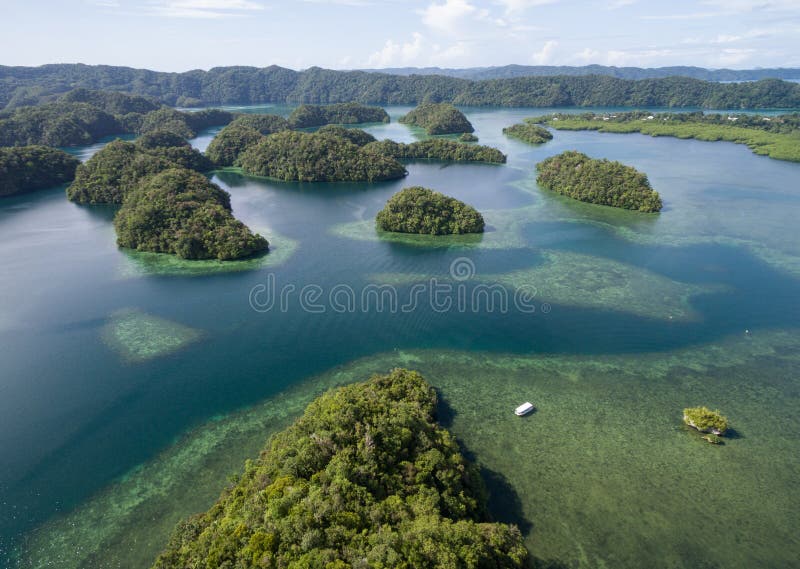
(243, 85)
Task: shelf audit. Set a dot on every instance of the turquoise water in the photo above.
(126, 379)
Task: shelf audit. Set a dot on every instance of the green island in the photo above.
(366, 477)
(529, 132)
(437, 149)
(603, 182)
(28, 168)
(423, 211)
(181, 212)
(438, 118)
(306, 116)
(775, 136)
(116, 169)
(315, 157)
(468, 137)
(706, 421)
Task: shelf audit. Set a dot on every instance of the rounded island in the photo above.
(423, 211)
(705, 420)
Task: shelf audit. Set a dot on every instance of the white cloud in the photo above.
(617, 4)
(544, 55)
(512, 6)
(396, 53)
(457, 50)
(448, 16)
(203, 8)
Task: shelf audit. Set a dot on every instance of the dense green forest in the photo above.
(437, 149)
(265, 124)
(109, 175)
(246, 85)
(229, 143)
(27, 168)
(420, 210)
(774, 136)
(438, 118)
(181, 212)
(365, 478)
(306, 116)
(355, 135)
(529, 132)
(509, 71)
(602, 182)
(314, 157)
(81, 117)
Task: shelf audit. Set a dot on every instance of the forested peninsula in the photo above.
(601, 182)
(341, 113)
(776, 136)
(365, 478)
(82, 117)
(250, 85)
(28, 168)
(529, 132)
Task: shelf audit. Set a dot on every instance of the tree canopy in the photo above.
(602, 182)
(265, 124)
(365, 478)
(354, 135)
(250, 85)
(314, 157)
(28, 168)
(438, 118)
(340, 113)
(116, 169)
(437, 149)
(529, 132)
(420, 210)
(226, 147)
(181, 212)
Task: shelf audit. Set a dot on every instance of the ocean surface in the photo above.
(132, 385)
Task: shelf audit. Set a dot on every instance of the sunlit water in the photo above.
(132, 385)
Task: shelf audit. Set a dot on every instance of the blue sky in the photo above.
(177, 35)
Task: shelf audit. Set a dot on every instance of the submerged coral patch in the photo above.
(138, 336)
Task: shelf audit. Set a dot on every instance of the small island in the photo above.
(468, 137)
(440, 149)
(438, 118)
(263, 123)
(706, 421)
(181, 212)
(529, 132)
(423, 211)
(317, 157)
(116, 169)
(306, 116)
(372, 481)
(601, 182)
(28, 168)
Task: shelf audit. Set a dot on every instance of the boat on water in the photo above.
(524, 409)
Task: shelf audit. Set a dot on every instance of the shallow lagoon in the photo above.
(645, 315)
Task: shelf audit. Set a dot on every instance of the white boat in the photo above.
(524, 409)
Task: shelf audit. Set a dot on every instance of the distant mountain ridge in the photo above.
(511, 71)
(240, 85)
